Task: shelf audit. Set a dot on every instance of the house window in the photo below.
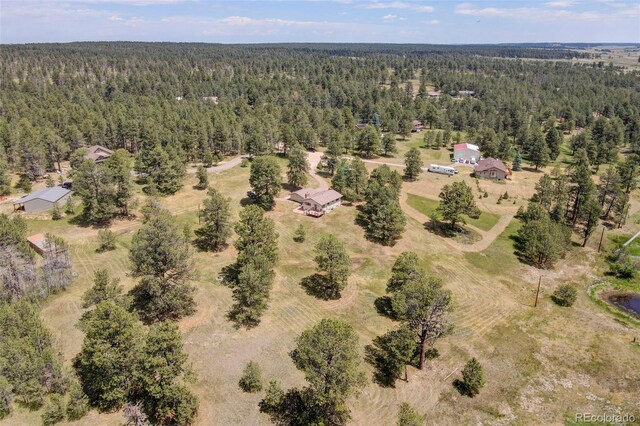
(493, 173)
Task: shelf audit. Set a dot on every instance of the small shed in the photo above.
(98, 154)
(466, 153)
(491, 168)
(316, 202)
(38, 243)
(43, 200)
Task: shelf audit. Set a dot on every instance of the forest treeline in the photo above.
(144, 96)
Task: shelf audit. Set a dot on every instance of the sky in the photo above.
(358, 21)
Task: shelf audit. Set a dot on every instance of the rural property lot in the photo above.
(578, 358)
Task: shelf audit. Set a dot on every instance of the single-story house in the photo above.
(417, 126)
(466, 153)
(317, 203)
(38, 243)
(98, 153)
(43, 200)
(492, 168)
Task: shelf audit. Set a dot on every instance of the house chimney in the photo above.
(306, 195)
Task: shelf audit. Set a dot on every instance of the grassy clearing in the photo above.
(426, 206)
(502, 248)
(618, 240)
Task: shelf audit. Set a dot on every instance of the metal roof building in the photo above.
(43, 200)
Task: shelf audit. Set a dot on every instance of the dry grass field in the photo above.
(542, 365)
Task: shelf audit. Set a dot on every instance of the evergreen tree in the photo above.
(119, 165)
(300, 234)
(256, 235)
(93, 184)
(390, 354)
(332, 259)
(554, 141)
(538, 149)
(368, 143)
(405, 269)
(389, 144)
(457, 201)
(357, 180)
(104, 289)
(159, 375)
(408, 416)
(251, 380)
(297, 168)
(265, 179)
(472, 377)
(413, 164)
(106, 240)
(107, 360)
(161, 256)
(203, 178)
(216, 222)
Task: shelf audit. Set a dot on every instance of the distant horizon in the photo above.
(320, 21)
(524, 43)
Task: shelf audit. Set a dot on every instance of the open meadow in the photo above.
(542, 365)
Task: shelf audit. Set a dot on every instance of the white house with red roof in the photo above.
(466, 153)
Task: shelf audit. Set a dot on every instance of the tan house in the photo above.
(98, 153)
(492, 168)
(316, 203)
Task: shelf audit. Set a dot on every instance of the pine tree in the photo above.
(332, 259)
(389, 143)
(457, 201)
(297, 168)
(265, 180)
(408, 416)
(472, 377)
(368, 143)
(203, 178)
(413, 164)
(538, 149)
(216, 222)
(554, 141)
(107, 360)
(104, 289)
(251, 380)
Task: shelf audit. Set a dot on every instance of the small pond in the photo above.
(625, 300)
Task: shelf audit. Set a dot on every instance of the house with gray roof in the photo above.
(98, 154)
(317, 203)
(43, 200)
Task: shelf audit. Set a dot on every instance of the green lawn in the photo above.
(502, 248)
(427, 206)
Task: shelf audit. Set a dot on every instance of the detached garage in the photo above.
(43, 200)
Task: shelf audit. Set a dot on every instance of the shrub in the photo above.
(244, 162)
(107, 240)
(300, 234)
(251, 380)
(53, 410)
(70, 206)
(56, 213)
(408, 416)
(565, 295)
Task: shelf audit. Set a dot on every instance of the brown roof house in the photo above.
(316, 203)
(492, 168)
(98, 153)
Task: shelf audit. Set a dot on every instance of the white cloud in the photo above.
(544, 14)
(390, 17)
(434, 22)
(399, 5)
(560, 3)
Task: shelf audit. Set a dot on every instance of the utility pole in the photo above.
(199, 214)
(535, 305)
(601, 236)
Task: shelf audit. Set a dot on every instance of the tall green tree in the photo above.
(106, 363)
(265, 179)
(457, 201)
(216, 222)
(161, 256)
(332, 259)
(368, 143)
(413, 164)
(297, 168)
(538, 149)
(408, 416)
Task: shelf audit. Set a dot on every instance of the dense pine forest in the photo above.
(56, 98)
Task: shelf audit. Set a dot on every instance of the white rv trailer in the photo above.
(445, 170)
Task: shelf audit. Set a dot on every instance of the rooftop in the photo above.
(459, 146)
(48, 194)
(490, 163)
